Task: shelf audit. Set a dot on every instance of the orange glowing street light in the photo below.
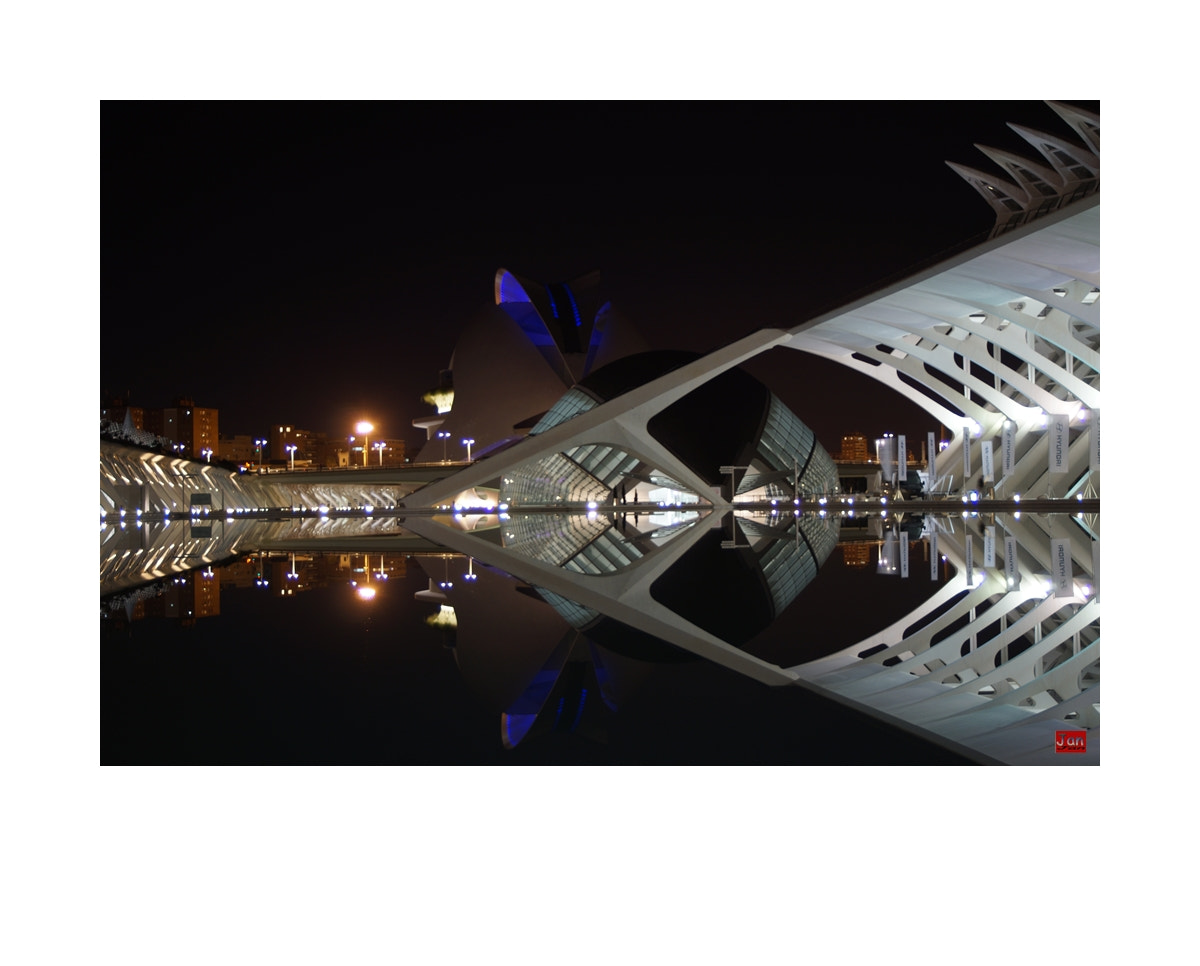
(365, 428)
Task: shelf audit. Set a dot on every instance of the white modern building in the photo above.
(1000, 342)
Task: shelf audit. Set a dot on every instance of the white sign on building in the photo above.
(1061, 569)
(1010, 559)
(1008, 443)
(1058, 436)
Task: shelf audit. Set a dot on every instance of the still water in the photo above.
(432, 656)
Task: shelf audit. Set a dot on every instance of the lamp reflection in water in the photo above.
(574, 595)
(366, 591)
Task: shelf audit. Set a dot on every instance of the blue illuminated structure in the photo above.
(514, 362)
(567, 339)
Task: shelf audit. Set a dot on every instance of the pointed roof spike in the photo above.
(1046, 142)
(992, 188)
(1013, 165)
(1083, 122)
(1074, 170)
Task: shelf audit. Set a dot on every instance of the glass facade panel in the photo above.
(553, 479)
(790, 560)
(553, 538)
(574, 614)
(787, 442)
(574, 402)
(582, 543)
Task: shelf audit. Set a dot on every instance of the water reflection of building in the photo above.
(731, 582)
(286, 573)
(856, 554)
(187, 598)
(518, 655)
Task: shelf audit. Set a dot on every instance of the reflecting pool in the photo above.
(663, 637)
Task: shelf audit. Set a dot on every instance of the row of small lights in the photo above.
(460, 509)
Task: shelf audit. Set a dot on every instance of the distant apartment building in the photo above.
(330, 451)
(854, 448)
(192, 428)
(237, 449)
(381, 452)
(283, 435)
(320, 449)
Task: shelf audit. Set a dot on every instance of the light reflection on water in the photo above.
(303, 655)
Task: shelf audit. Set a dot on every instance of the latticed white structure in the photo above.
(1001, 344)
(996, 344)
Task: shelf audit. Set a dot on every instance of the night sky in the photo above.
(313, 263)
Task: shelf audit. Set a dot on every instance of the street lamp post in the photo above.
(467, 443)
(291, 455)
(258, 445)
(443, 436)
(366, 429)
(381, 446)
(207, 451)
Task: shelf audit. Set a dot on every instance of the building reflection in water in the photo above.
(572, 625)
(547, 662)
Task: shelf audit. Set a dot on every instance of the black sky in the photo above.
(313, 263)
